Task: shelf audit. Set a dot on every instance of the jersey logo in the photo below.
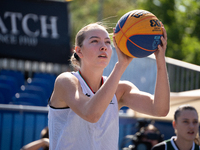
(111, 102)
(87, 95)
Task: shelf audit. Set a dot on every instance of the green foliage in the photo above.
(181, 19)
(85, 12)
(191, 49)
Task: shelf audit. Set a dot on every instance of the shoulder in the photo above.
(65, 75)
(65, 78)
(65, 87)
(159, 146)
(66, 83)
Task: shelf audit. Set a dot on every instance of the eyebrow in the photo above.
(94, 37)
(98, 37)
(188, 119)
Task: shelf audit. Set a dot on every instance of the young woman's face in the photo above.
(187, 125)
(96, 49)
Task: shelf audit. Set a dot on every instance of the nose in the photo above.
(103, 48)
(191, 125)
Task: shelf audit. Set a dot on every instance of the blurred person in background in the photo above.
(151, 134)
(41, 143)
(186, 126)
(145, 138)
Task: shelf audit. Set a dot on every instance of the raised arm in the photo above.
(157, 105)
(162, 89)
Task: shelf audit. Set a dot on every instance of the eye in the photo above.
(94, 41)
(195, 122)
(108, 42)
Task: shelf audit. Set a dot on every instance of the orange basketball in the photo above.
(138, 33)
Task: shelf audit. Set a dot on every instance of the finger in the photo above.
(159, 47)
(164, 41)
(114, 42)
(114, 31)
(161, 24)
(164, 33)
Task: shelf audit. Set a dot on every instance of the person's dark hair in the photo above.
(137, 140)
(149, 127)
(80, 36)
(181, 108)
(155, 135)
(45, 134)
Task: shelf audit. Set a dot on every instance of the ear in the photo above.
(174, 124)
(78, 51)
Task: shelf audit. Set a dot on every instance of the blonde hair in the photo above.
(80, 36)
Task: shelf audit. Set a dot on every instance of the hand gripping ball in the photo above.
(138, 33)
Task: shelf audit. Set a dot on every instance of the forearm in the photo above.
(162, 89)
(35, 144)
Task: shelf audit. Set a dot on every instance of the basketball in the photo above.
(137, 33)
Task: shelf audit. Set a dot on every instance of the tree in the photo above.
(181, 19)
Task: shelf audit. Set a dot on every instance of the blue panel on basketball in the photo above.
(122, 21)
(137, 52)
(145, 45)
(148, 42)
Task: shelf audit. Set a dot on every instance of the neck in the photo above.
(183, 144)
(93, 79)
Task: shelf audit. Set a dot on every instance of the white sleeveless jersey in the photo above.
(68, 131)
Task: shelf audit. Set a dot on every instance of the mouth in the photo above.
(191, 132)
(102, 56)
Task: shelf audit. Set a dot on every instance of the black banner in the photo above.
(35, 30)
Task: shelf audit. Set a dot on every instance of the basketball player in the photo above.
(186, 126)
(84, 105)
